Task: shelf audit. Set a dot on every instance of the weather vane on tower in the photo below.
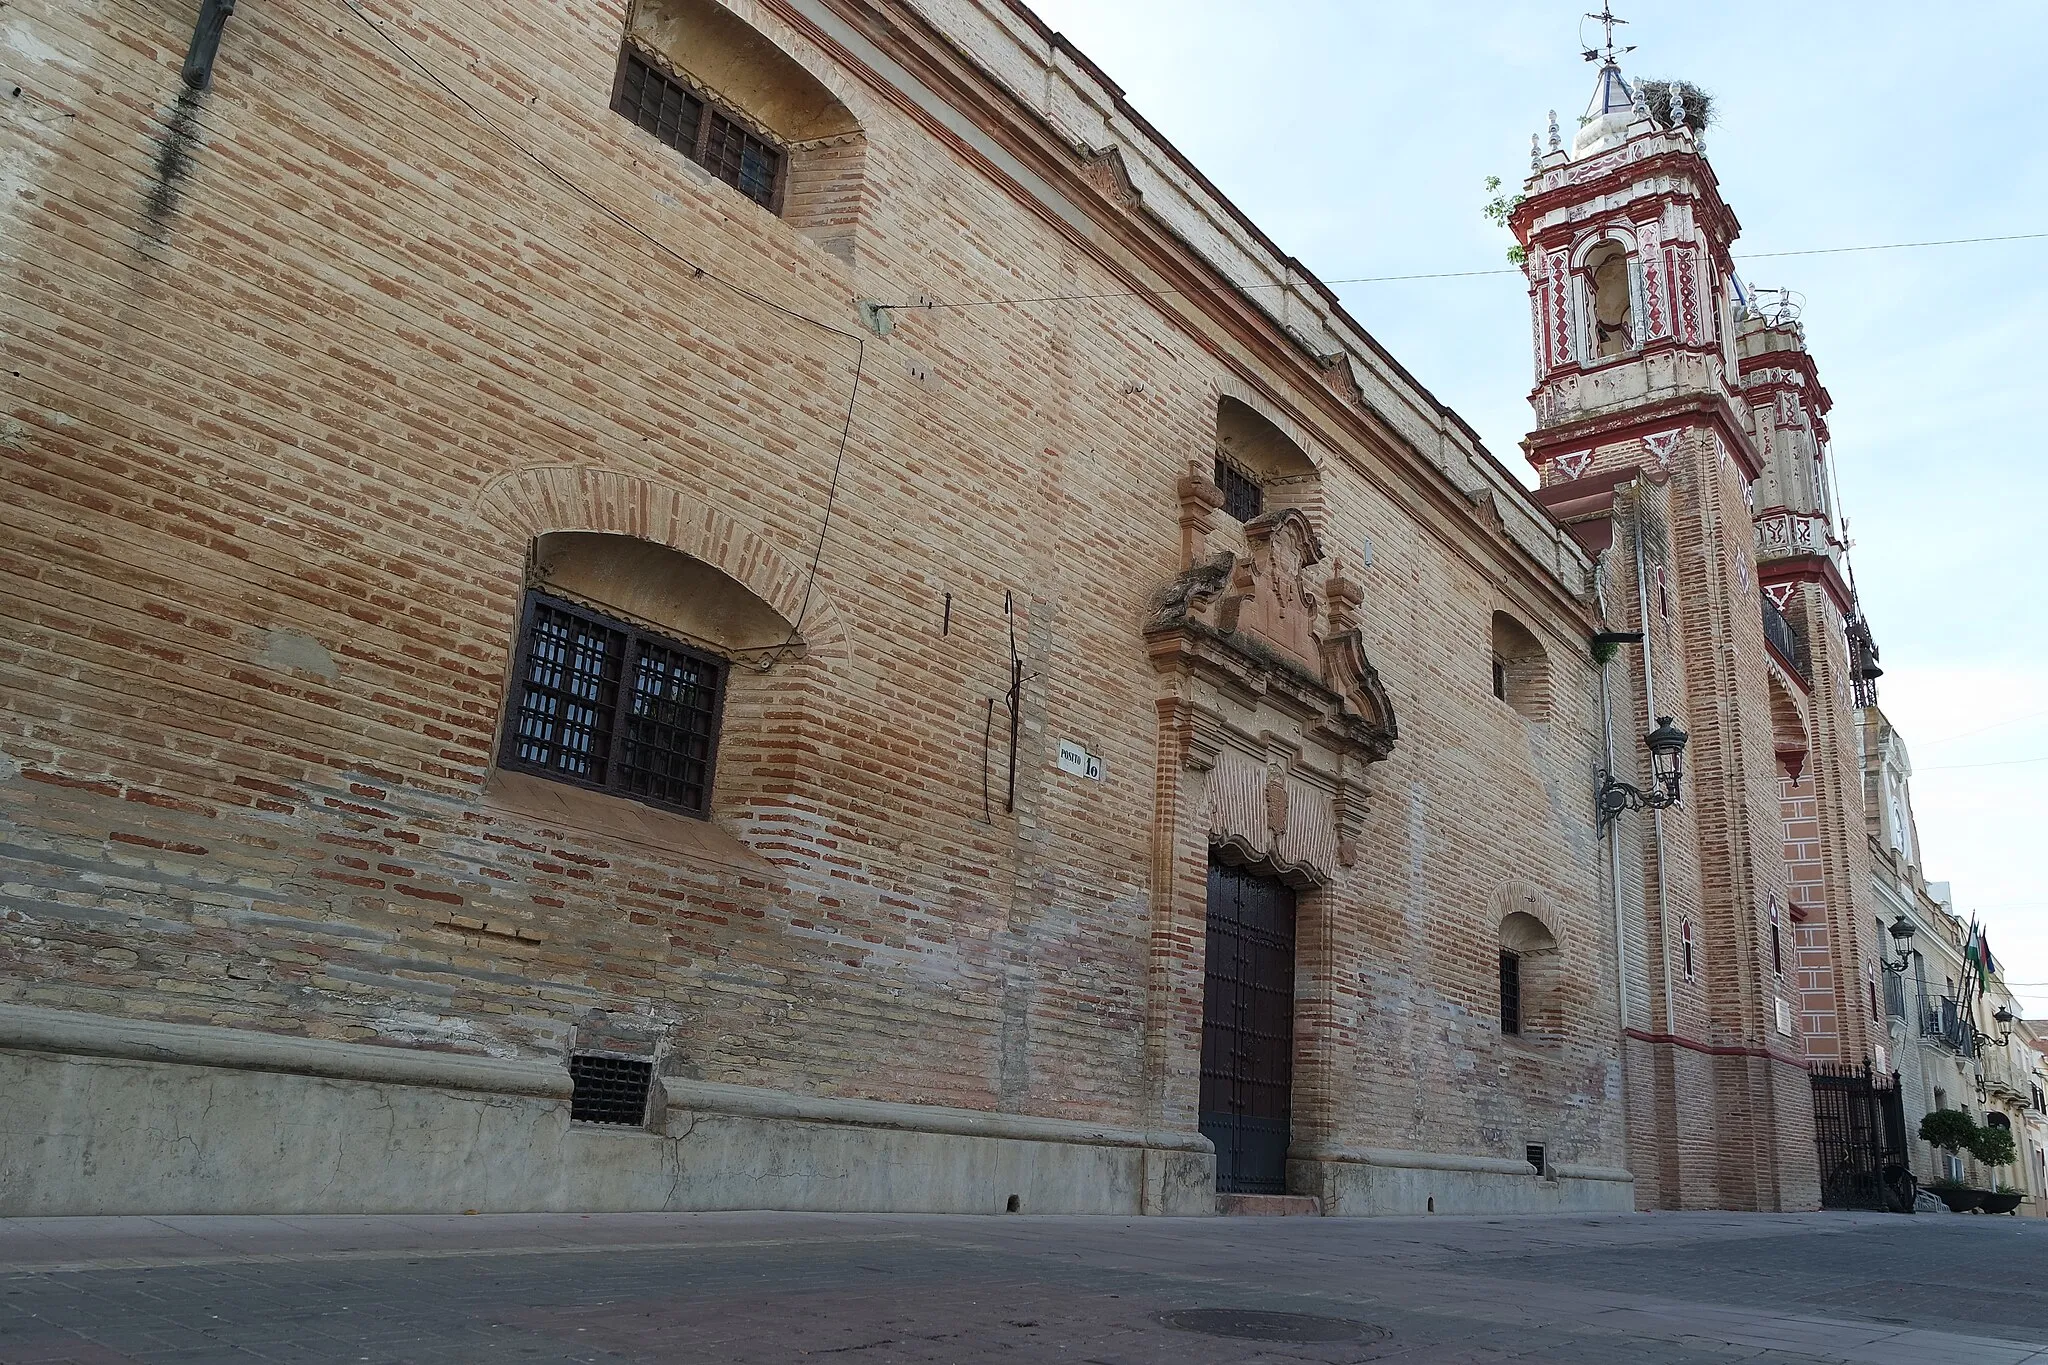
(1607, 20)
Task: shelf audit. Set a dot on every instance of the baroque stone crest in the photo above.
(1274, 701)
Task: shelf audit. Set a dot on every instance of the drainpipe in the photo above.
(1614, 840)
(213, 18)
(1650, 710)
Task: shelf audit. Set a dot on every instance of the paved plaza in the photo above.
(876, 1289)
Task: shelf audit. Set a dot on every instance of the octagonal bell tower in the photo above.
(1645, 447)
(1630, 281)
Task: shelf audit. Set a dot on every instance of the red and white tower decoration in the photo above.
(1672, 424)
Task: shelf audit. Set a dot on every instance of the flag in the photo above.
(1977, 952)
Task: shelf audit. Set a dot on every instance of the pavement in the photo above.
(886, 1289)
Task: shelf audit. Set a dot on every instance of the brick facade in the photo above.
(302, 370)
(313, 376)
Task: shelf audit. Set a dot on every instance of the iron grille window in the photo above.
(1243, 496)
(648, 96)
(606, 705)
(1500, 677)
(1536, 1157)
(1777, 947)
(609, 1089)
(1510, 992)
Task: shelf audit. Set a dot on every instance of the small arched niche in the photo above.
(1259, 467)
(1610, 302)
(1788, 731)
(722, 93)
(1520, 669)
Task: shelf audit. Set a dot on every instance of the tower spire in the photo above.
(1611, 93)
(1606, 53)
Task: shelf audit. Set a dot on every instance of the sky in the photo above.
(1359, 134)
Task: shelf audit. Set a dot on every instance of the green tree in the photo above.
(1949, 1129)
(1499, 207)
(1993, 1145)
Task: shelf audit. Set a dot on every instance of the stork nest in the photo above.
(1699, 105)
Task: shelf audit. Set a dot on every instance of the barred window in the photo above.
(1510, 991)
(606, 705)
(1243, 495)
(646, 95)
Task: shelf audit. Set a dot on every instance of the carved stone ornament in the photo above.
(1106, 171)
(1342, 378)
(1275, 706)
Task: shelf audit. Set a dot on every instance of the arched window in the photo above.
(1259, 467)
(1519, 669)
(702, 80)
(1530, 979)
(1610, 302)
(624, 665)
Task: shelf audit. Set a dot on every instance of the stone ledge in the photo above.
(1398, 1158)
(31, 1028)
(748, 1101)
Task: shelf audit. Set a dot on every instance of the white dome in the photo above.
(1599, 134)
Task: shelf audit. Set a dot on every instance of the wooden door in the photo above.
(1248, 1030)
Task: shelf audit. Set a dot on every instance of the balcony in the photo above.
(1783, 638)
(1947, 1023)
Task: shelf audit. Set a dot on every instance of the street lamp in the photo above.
(1666, 744)
(1902, 944)
(2005, 1019)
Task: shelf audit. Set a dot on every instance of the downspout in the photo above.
(1650, 710)
(1613, 839)
(205, 46)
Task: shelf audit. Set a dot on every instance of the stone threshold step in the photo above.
(1269, 1205)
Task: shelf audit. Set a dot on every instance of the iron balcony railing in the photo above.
(1948, 1023)
(1784, 637)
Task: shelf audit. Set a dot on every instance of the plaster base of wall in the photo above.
(99, 1134)
(1399, 1183)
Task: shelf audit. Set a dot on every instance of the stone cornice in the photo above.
(1819, 569)
(1638, 420)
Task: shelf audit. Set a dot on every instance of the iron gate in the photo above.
(1248, 1029)
(1859, 1122)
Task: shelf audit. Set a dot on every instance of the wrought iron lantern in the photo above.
(2005, 1019)
(1902, 947)
(1666, 744)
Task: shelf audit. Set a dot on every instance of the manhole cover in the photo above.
(1253, 1324)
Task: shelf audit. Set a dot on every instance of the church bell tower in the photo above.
(1649, 375)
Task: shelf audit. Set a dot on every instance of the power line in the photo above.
(1997, 763)
(1893, 246)
(1434, 275)
(1982, 729)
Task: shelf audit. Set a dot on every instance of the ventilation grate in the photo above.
(609, 1089)
(1535, 1155)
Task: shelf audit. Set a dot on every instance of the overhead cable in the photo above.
(1432, 275)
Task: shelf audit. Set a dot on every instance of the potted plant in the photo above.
(1952, 1130)
(2003, 1198)
(1959, 1197)
(1994, 1147)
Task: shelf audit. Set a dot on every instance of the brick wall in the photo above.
(287, 403)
